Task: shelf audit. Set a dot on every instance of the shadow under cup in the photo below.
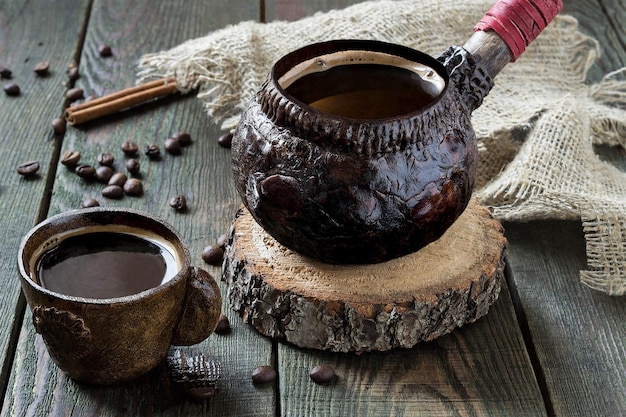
(111, 337)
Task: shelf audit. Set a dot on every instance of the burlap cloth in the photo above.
(537, 129)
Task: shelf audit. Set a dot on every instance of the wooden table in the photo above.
(549, 346)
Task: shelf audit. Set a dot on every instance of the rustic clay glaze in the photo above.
(349, 186)
(108, 341)
(359, 190)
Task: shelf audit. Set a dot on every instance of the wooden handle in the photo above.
(505, 31)
(519, 22)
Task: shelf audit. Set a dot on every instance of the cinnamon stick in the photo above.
(120, 100)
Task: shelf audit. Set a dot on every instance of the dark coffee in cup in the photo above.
(106, 264)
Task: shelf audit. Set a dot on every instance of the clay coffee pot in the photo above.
(356, 151)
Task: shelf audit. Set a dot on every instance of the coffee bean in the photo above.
(153, 151)
(28, 169)
(130, 148)
(222, 240)
(5, 72)
(85, 171)
(42, 68)
(223, 325)
(119, 179)
(70, 158)
(72, 73)
(113, 191)
(264, 374)
(179, 203)
(132, 166)
(106, 159)
(90, 202)
(59, 126)
(172, 146)
(184, 138)
(12, 89)
(104, 174)
(74, 94)
(201, 393)
(322, 374)
(133, 187)
(213, 255)
(105, 51)
(226, 140)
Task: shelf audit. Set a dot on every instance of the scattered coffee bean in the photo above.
(223, 325)
(213, 255)
(12, 89)
(113, 191)
(90, 202)
(264, 374)
(184, 138)
(70, 158)
(133, 187)
(119, 179)
(74, 94)
(226, 140)
(104, 174)
(130, 148)
(201, 393)
(72, 73)
(5, 72)
(42, 68)
(172, 146)
(105, 51)
(85, 171)
(153, 151)
(179, 203)
(28, 169)
(322, 374)
(132, 166)
(222, 240)
(59, 126)
(106, 159)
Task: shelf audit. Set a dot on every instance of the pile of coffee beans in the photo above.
(118, 183)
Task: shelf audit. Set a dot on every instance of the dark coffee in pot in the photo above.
(106, 265)
(366, 91)
(363, 85)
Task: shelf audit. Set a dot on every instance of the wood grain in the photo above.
(30, 33)
(201, 173)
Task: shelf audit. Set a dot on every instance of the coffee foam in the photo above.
(355, 57)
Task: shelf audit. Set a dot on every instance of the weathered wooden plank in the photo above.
(604, 20)
(30, 32)
(577, 333)
(481, 369)
(201, 173)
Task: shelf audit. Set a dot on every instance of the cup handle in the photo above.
(202, 309)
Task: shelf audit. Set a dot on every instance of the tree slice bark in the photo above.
(357, 308)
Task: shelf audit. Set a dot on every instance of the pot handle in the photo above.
(505, 31)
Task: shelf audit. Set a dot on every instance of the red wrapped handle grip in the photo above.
(519, 22)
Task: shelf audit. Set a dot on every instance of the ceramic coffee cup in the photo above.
(95, 328)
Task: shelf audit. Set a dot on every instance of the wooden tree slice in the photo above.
(357, 308)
